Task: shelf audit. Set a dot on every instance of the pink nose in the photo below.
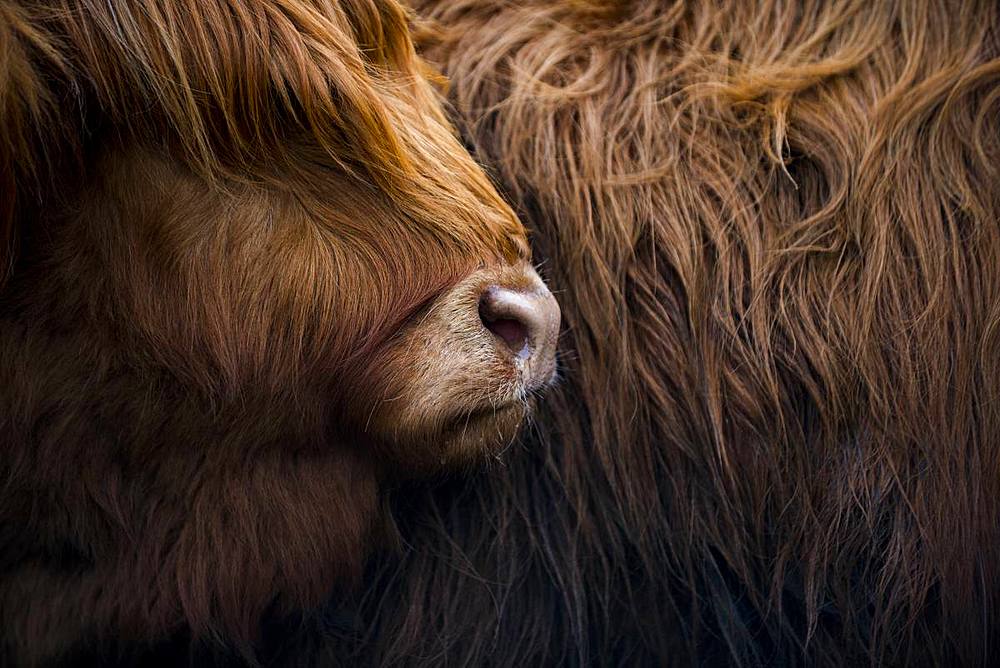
(525, 322)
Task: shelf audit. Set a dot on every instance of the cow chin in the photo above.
(467, 439)
(459, 378)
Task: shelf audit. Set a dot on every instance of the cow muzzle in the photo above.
(463, 375)
(523, 318)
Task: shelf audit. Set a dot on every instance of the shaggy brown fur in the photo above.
(238, 244)
(774, 230)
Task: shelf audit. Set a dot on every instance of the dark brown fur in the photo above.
(773, 227)
(219, 223)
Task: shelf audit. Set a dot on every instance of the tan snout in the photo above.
(524, 320)
(461, 377)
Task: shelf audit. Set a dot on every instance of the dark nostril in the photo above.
(525, 317)
(514, 333)
(499, 312)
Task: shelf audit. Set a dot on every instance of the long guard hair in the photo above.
(773, 229)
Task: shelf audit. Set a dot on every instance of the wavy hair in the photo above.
(773, 230)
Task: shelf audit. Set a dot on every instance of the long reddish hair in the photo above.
(773, 230)
(215, 219)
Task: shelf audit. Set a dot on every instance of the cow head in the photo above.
(249, 272)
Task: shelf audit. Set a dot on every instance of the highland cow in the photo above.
(773, 229)
(250, 276)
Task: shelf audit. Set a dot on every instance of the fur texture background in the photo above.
(773, 229)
